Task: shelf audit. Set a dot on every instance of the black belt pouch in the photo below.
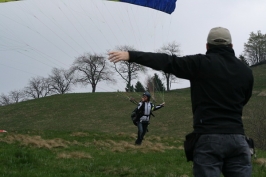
(251, 145)
(189, 145)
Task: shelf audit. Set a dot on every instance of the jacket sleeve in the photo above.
(154, 108)
(185, 67)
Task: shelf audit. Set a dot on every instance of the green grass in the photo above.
(91, 134)
(95, 154)
(259, 72)
(89, 154)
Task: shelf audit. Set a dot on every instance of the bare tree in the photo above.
(16, 96)
(128, 71)
(4, 100)
(92, 69)
(255, 48)
(171, 48)
(61, 80)
(38, 87)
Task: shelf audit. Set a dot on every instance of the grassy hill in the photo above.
(108, 112)
(259, 72)
(91, 135)
(104, 112)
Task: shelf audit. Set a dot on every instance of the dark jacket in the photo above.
(220, 86)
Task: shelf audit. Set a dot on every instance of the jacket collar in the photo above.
(221, 50)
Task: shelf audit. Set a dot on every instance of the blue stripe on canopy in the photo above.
(167, 6)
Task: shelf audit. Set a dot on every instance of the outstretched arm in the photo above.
(186, 67)
(158, 106)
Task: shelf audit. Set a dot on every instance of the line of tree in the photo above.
(254, 49)
(60, 81)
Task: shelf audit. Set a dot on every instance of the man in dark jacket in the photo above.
(220, 87)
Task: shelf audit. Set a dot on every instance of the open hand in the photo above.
(116, 56)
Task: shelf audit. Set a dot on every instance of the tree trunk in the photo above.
(168, 82)
(93, 86)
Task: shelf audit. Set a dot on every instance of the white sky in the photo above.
(37, 35)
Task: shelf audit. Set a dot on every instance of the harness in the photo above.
(138, 113)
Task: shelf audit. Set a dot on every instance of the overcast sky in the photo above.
(37, 35)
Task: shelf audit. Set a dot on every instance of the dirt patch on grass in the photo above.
(263, 93)
(118, 171)
(79, 134)
(180, 147)
(123, 146)
(75, 155)
(36, 141)
(260, 161)
(151, 144)
(154, 138)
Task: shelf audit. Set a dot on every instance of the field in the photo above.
(91, 135)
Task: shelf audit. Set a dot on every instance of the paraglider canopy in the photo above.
(3, 131)
(167, 6)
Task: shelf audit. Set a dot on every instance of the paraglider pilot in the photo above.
(143, 113)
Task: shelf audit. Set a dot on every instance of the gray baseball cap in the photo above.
(219, 36)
